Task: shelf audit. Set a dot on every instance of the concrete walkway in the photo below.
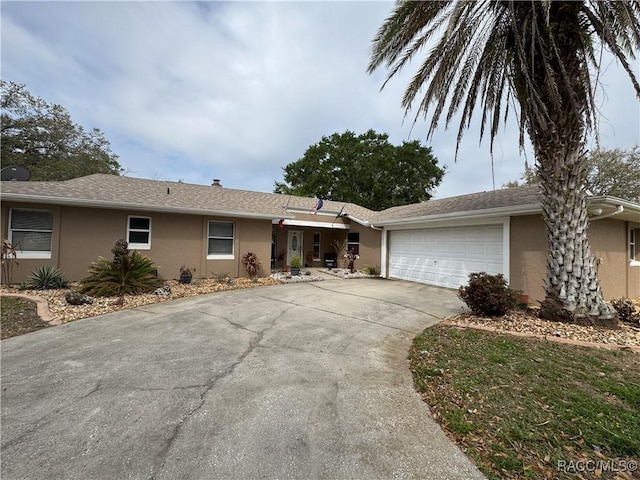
(291, 381)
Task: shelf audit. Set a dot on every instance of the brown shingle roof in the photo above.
(507, 197)
(112, 191)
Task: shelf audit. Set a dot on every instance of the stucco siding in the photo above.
(609, 244)
(634, 281)
(370, 244)
(254, 236)
(528, 262)
(633, 271)
(81, 235)
(87, 234)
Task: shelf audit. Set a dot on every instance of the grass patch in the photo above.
(18, 316)
(526, 408)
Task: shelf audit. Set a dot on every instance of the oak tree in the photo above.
(42, 137)
(364, 169)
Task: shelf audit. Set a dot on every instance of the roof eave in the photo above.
(364, 223)
(614, 202)
(469, 214)
(17, 197)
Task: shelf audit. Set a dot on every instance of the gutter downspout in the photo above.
(620, 209)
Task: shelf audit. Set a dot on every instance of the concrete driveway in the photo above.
(296, 381)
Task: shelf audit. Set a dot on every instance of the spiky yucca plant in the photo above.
(130, 274)
(45, 277)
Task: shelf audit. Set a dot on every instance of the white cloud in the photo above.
(238, 90)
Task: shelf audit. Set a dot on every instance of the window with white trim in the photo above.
(139, 233)
(30, 232)
(316, 245)
(220, 240)
(353, 242)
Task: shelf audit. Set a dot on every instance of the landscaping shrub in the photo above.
(9, 256)
(251, 263)
(626, 310)
(127, 273)
(221, 277)
(371, 270)
(45, 277)
(488, 295)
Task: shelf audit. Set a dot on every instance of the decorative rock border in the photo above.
(567, 341)
(42, 307)
(286, 277)
(346, 274)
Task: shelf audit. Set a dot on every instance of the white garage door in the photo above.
(445, 256)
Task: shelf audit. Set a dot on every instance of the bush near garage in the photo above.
(488, 295)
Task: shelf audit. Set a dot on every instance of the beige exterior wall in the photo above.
(89, 233)
(633, 278)
(252, 236)
(370, 245)
(528, 256)
(81, 235)
(370, 240)
(609, 243)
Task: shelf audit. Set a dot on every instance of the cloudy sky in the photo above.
(237, 90)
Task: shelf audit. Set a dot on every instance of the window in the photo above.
(139, 233)
(220, 240)
(316, 246)
(30, 232)
(353, 242)
(634, 248)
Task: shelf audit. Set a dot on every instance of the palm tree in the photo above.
(543, 57)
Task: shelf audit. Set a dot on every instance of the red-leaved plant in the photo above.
(251, 263)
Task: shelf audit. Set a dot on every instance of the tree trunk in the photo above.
(573, 291)
(553, 100)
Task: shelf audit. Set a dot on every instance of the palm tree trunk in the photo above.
(573, 291)
(557, 131)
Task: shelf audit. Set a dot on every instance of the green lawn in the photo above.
(525, 408)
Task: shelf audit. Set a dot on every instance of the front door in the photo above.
(294, 245)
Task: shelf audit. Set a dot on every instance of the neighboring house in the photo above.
(70, 224)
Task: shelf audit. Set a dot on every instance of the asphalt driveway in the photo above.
(291, 381)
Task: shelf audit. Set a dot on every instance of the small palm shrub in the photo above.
(626, 310)
(45, 277)
(488, 295)
(127, 274)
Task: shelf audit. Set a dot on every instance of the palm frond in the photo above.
(539, 53)
(130, 275)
